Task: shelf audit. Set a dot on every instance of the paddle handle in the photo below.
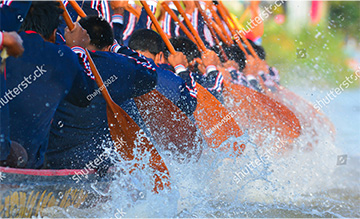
(66, 16)
(77, 8)
(232, 31)
(207, 21)
(93, 68)
(132, 10)
(219, 23)
(226, 15)
(213, 25)
(191, 28)
(177, 20)
(158, 28)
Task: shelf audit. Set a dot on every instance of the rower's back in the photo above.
(82, 131)
(38, 80)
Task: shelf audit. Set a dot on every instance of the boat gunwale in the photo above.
(43, 172)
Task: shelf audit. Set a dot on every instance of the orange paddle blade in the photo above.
(125, 133)
(290, 99)
(247, 113)
(248, 117)
(259, 109)
(128, 136)
(285, 120)
(215, 122)
(274, 113)
(169, 126)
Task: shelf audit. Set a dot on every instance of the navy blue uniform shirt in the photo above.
(77, 133)
(175, 89)
(12, 14)
(37, 82)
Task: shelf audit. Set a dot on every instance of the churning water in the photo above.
(322, 182)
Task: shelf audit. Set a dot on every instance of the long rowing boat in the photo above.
(27, 192)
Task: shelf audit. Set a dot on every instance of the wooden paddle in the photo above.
(257, 100)
(279, 113)
(284, 95)
(125, 133)
(177, 21)
(235, 101)
(169, 126)
(210, 107)
(281, 94)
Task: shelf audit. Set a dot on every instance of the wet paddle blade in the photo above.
(248, 116)
(169, 126)
(284, 119)
(215, 122)
(125, 133)
(274, 114)
(128, 136)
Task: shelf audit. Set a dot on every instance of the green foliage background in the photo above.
(325, 63)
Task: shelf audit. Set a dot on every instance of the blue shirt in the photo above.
(79, 132)
(37, 82)
(12, 14)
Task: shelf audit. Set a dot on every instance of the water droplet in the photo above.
(60, 124)
(60, 53)
(20, 18)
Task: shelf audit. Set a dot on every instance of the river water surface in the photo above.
(322, 182)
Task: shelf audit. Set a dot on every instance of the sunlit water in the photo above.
(295, 184)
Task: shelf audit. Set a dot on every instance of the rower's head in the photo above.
(148, 43)
(44, 18)
(187, 47)
(260, 51)
(100, 32)
(235, 53)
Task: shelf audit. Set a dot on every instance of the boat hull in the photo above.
(26, 193)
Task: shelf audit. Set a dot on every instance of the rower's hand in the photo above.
(13, 44)
(209, 57)
(77, 37)
(250, 67)
(231, 64)
(189, 6)
(17, 158)
(118, 6)
(178, 59)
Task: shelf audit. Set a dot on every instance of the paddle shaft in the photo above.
(158, 28)
(207, 21)
(219, 23)
(226, 15)
(191, 28)
(177, 20)
(132, 10)
(94, 70)
(124, 126)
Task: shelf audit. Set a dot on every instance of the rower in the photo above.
(42, 77)
(177, 85)
(205, 69)
(12, 154)
(83, 132)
